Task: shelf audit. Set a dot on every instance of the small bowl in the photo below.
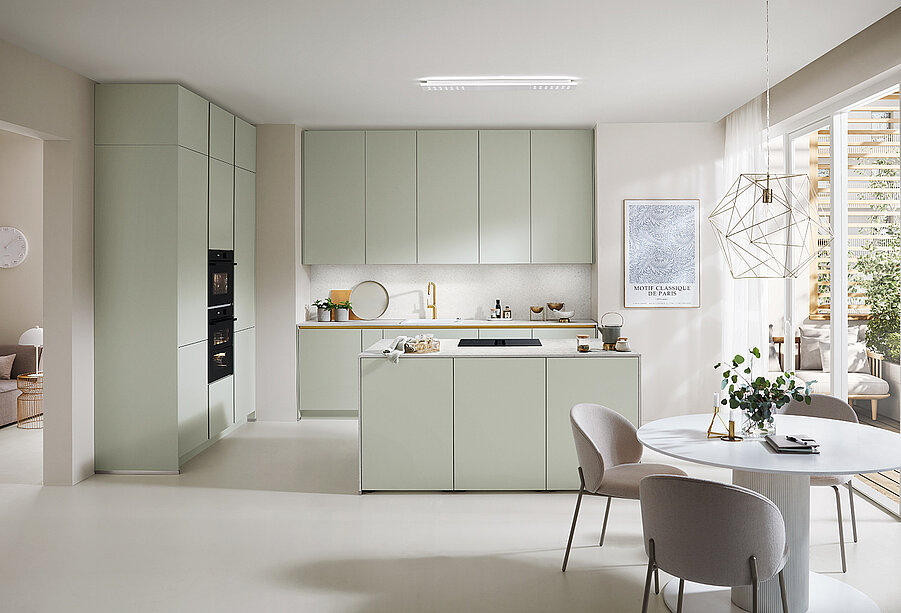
(536, 309)
(555, 306)
(566, 314)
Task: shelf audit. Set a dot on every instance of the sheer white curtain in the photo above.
(745, 300)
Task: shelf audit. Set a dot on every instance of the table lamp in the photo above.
(34, 336)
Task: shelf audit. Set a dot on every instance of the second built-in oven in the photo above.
(220, 342)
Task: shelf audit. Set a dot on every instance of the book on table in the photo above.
(793, 443)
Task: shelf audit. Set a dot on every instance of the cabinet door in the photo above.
(562, 196)
(612, 382)
(245, 145)
(499, 424)
(222, 404)
(193, 121)
(334, 194)
(448, 196)
(391, 197)
(504, 197)
(370, 337)
(193, 405)
(245, 244)
(245, 374)
(222, 134)
(193, 186)
(447, 333)
(222, 205)
(406, 424)
(327, 363)
(550, 333)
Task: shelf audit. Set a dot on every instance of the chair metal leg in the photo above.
(841, 529)
(656, 579)
(604, 527)
(681, 592)
(572, 530)
(755, 585)
(853, 516)
(647, 582)
(782, 592)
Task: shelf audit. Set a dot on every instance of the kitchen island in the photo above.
(484, 418)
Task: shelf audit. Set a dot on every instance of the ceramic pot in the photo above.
(342, 314)
(324, 315)
(622, 344)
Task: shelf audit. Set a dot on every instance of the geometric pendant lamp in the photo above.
(767, 227)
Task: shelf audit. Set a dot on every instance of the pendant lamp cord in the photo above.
(766, 142)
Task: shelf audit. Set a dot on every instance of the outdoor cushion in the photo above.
(813, 335)
(859, 383)
(857, 357)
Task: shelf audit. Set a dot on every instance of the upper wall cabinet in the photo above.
(562, 217)
(504, 198)
(137, 114)
(245, 145)
(391, 197)
(334, 195)
(448, 196)
(222, 134)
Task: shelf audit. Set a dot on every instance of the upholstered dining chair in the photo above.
(690, 531)
(609, 460)
(830, 407)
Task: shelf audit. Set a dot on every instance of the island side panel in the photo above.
(499, 424)
(612, 382)
(406, 424)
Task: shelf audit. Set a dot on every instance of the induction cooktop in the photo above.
(499, 342)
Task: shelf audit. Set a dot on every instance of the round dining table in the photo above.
(846, 448)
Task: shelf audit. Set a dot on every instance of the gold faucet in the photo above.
(433, 292)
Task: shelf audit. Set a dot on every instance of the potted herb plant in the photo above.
(759, 398)
(323, 308)
(342, 311)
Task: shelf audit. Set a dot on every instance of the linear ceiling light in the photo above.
(450, 84)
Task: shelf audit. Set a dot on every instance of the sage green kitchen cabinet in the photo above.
(562, 333)
(150, 114)
(448, 333)
(245, 375)
(245, 145)
(222, 134)
(499, 424)
(334, 197)
(222, 404)
(562, 176)
(193, 404)
(245, 245)
(504, 196)
(612, 382)
(370, 337)
(391, 197)
(222, 205)
(407, 425)
(447, 196)
(327, 370)
(192, 185)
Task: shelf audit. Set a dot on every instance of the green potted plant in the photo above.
(342, 311)
(759, 398)
(323, 308)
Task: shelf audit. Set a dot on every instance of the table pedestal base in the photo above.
(827, 595)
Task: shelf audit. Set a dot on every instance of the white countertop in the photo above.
(845, 448)
(550, 348)
(465, 323)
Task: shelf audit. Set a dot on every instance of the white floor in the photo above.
(21, 455)
(269, 520)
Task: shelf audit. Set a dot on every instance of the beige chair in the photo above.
(830, 407)
(711, 533)
(609, 455)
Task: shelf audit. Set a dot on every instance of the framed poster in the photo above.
(662, 253)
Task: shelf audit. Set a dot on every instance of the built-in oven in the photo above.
(220, 340)
(221, 283)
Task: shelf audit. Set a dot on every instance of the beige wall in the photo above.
(22, 206)
(679, 346)
(46, 100)
(279, 275)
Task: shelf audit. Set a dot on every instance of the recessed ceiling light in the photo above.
(456, 84)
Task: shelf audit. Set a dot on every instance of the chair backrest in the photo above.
(821, 405)
(603, 438)
(706, 531)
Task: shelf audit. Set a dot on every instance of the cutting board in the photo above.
(340, 295)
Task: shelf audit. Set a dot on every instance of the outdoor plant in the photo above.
(759, 398)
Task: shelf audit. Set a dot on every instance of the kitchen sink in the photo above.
(420, 322)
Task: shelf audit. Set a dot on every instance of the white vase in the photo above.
(324, 315)
(342, 314)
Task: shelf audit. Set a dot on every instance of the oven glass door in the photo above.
(221, 363)
(221, 290)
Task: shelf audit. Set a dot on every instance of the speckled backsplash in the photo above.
(464, 290)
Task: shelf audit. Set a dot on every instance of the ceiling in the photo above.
(354, 63)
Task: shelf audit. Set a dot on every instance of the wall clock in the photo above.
(13, 247)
